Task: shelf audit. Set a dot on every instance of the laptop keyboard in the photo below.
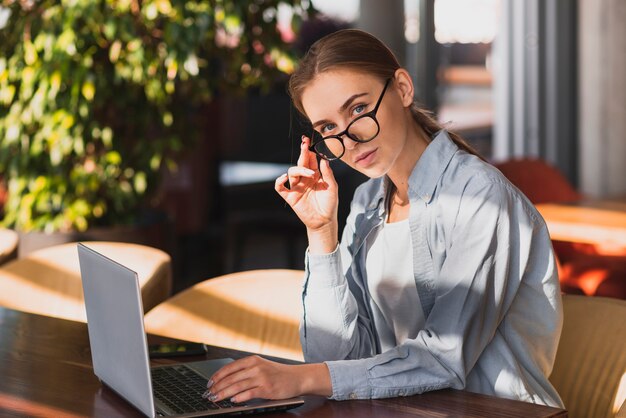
(181, 389)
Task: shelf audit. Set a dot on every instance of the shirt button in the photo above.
(353, 395)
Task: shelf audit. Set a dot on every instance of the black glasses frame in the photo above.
(371, 114)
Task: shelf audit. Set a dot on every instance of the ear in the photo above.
(404, 84)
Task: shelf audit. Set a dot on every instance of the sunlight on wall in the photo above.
(465, 21)
(5, 13)
(620, 397)
(346, 10)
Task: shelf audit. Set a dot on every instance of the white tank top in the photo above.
(391, 284)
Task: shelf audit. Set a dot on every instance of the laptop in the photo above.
(119, 350)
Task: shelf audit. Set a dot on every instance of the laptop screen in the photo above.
(116, 333)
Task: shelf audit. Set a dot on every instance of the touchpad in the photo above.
(208, 367)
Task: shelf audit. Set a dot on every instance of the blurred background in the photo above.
(165, 122)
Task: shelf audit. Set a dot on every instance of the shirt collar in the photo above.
(431, 165)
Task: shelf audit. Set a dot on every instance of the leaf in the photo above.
(56, 156)
(30, 53)
(191, 65)
(107, 137)
(67, 122)
(164, 6)
(109, 29)
(88, 90)
(114, 51)
(155, 162)
(168, 119)
(113, 157)
(151, 11)
(133, 45)
(140, 182)
(6, 94)
(172, 68)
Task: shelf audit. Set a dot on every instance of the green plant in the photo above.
(97, 95)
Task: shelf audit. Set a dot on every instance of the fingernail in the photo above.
(206, 394)
(233, 400)
(212, 398)
(309, 171)
(209, 383)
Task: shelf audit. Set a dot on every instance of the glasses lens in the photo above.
(330, 148)
(363, 129)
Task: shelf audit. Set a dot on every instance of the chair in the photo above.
(590, 366)
(8, 245)
(586, 269)
(257, 311)
(539, 181)
(47, 281)
(251, 209)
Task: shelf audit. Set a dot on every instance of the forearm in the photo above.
(327, 304)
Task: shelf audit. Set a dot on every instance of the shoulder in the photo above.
(469, 179)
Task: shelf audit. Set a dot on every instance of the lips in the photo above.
(365, 157)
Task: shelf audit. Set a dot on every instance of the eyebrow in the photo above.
(343, 107)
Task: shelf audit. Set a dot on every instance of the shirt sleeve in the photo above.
(334, 324)
(490, 250)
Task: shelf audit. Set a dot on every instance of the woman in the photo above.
(444, 276)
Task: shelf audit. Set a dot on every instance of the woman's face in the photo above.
(334, 98)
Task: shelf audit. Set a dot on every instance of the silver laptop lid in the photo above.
(117, 337)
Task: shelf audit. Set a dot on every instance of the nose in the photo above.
(348, 142)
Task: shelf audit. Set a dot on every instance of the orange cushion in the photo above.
(595, 276)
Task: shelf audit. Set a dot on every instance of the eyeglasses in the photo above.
(362, 129)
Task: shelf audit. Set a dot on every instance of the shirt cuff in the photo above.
(325, 268)
(349, 379)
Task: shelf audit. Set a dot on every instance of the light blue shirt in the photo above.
(486, 277)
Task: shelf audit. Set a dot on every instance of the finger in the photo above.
(231, 368)
(312, 164)
(303, 158)
(234, 380)
(279, 185)
(327, 173)
(246, 395)
(232, 390)
(300, 172)
(296, 173)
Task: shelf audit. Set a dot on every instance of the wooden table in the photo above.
(45, 370)
(598, 222)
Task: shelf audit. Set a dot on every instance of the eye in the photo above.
(327, 128)
(358, 109)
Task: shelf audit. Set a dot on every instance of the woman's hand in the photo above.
(313, 196)
(255, 377)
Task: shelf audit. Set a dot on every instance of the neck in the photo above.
(414, 147)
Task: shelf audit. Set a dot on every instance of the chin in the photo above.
(372, 172)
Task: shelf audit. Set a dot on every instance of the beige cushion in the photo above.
(47, 281)
(8, 245)
(590, 367)
(257, 311)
